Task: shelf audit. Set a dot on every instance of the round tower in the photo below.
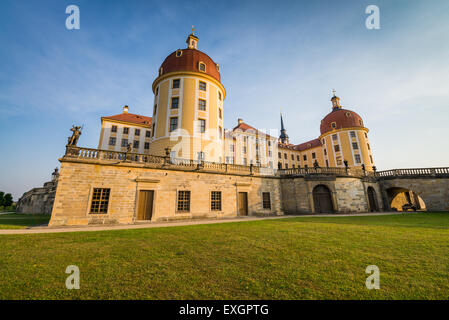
(188, 106)
(345, 138)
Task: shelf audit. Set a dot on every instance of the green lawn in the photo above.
(21, 221)
(297, 258)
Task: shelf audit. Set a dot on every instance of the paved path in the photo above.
(45, 229)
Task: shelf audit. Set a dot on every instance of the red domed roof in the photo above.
(341, 118)
(189, 60)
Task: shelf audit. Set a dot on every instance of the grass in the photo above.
(297, 258)
(22, 221)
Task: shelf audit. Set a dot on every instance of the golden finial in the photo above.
(193, 29)
(333, 92)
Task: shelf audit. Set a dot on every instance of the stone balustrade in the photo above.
(192, 165)
(414, 172)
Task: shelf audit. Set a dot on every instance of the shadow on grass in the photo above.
(435, 220)
(22, 221)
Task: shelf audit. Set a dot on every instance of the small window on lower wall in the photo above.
(100, 201)
(215, 200)
(266, 201)
(183, 201)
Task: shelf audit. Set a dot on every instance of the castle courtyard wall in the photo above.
(78, 179)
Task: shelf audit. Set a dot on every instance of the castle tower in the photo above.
(283, 137)
(345, 138)
(188, 106)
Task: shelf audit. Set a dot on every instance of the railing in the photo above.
(413, 172)
(159, 161)
(186, 164)
(352, 172)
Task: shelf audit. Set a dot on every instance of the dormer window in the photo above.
(348, 114)
(361, 123)
(202, 66)
(333, 125)
(178, 53)
(160, 70)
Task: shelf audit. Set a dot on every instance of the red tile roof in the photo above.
(308, 145)
(132, 118)
(246, 127)
(189, 61)
(343, 118)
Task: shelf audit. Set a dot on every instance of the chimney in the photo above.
(240, 120)
(125, 109)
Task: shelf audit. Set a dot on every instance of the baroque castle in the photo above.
(181, 163)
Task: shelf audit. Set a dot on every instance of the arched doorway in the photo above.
(372, 199)
(402, 199)
(322, 199)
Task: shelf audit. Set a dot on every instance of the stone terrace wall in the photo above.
(78, 178)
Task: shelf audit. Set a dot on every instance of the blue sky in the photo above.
(273, 55)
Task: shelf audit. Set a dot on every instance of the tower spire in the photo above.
(283, 137)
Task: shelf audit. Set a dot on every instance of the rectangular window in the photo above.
(355, 146)
(337, 148)
(371, 158)
(298, 158)
(313, 155)
(148, 134)
(269, 143)
(231, 148)
(327, 163)
(304, 157)
(114, 129)
(125, 130)
(279, 155)
(334, 137)
(244, 149)
(293, 157)
(286, 166)
(124, 142)
(155, 109)
(100, 201)
(266, 201)
(147, 145)
(202, 125)
(202, 86)
(174, 103)
(173, 124)
(176, 83)
(183, 201)
(201, 104)
(357, 158)
(215, 200)
(219, 95)
(339, 162)
(367, 145)
(136, 144)
(137, 132)
(220, 134)
(112, 141)
(325, 152)
(352, 133)
(285, 156)
(220, 114)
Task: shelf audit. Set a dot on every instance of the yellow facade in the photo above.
(191, 138)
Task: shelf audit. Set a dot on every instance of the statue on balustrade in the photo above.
(76, 132)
